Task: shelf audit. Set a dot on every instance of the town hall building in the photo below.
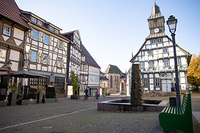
(156, 57)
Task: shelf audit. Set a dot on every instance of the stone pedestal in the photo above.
(136, 87)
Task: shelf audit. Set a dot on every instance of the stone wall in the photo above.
(136, 87)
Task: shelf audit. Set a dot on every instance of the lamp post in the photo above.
(9, 65)
(172, 22)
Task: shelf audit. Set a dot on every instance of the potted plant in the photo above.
(74, 83)
(57, 91)
(12, 95)
(41, 92)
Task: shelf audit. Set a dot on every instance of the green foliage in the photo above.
(57, 90)
(14, 88)
(193, 74)
(74, 82)
(41, 90)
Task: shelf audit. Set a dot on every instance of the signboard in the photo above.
(52, 77)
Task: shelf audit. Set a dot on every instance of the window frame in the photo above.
(46, 39)
(33, 55)
(33, 19)
(166, 62)
(142, 65)
(50, 28)
(178, 61)
(35, 36)
(59, 62)
(39, 22)
(1, 57)
(157, 82)
(151, 64)
(46, 59)
(165, 50)
(5, 31)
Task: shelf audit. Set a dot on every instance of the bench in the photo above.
(178, 118)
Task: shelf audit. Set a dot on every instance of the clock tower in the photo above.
(156, 22)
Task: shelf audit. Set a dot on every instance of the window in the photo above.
(2, 55)
(33, 56)
(159, 40)
(60, 45)
(56, 31)
(33, 19)
(59, 62)
(45, 59)
(141, 64)
(157, 81)
(153, 41)
(155, 21)
(51, 28)
(39, 22)
(46, 39)
(146, 82)
(6, 30)
(166, 62)
(151, 64)
(178, 61)
(150, 52)
(35, 34)
(169, 74)
(165, 50)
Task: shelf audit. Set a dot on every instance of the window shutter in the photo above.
(29, 55)
(38, 57)
(41, 59)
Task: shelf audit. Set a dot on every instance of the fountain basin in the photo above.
(125, 105)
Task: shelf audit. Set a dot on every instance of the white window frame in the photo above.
(39, 22)
(35, 34)
(46, 39)
(166, 62)
(35, 57)
(6, 29)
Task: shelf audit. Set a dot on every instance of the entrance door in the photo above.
(166, 85)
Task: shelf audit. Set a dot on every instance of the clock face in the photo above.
(156, 30)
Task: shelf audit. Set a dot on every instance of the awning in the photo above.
(3, 69)
(27, 74)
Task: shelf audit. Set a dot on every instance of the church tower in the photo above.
(156, 22)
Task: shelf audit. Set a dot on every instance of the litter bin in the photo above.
(172, 101)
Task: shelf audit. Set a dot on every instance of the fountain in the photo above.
(136, 101)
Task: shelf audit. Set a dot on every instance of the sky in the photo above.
(111, 30)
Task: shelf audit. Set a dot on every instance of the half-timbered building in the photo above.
(156, 57)
(13, 29)
(46, 50)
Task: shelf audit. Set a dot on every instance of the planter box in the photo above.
(48, 100)
(56, 97)
(75, 97)
(39, 97)
(12, 99)
(3, 103)
(27, 101)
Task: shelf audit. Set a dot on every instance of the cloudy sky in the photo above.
(112, 29)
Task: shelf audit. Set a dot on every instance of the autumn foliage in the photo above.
(193, 74)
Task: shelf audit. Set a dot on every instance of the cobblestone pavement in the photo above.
(76, 116)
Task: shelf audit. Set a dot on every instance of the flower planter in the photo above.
(75, 97)
(48, 100)
(27, 101)
(39, 97)
(3, 103)
(56, 100)
(12, 99)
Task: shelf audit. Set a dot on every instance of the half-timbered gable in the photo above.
(156, 58)
(75, 52)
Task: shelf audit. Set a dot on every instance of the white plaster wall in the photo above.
(14, 55)
(14, 66)
(18, 33)
(17, 42)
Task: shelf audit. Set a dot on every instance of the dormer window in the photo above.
(33, 19)
(39, 22)
(56, 31)
(51, 28)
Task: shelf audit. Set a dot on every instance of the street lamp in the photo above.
(172, 22)
(9, 65)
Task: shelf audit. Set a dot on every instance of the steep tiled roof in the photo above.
(89, 59)
(113, 69)
(9, 9)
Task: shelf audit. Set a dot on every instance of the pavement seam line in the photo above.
(47, 118)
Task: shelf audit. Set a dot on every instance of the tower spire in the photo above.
(154, 1)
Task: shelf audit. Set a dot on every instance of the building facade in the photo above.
(156, 57)
(13, 30)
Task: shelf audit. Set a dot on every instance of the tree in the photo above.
(193, 74)
(74, 82)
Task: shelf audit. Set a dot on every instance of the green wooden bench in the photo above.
(178, 118)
